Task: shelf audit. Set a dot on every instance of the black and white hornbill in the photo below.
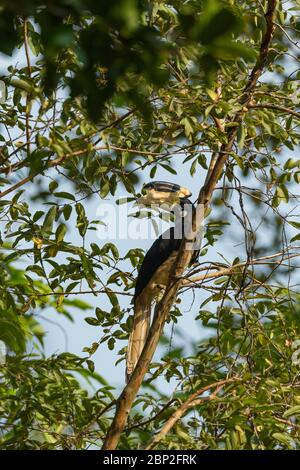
(153, 275)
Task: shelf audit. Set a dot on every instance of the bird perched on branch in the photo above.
(154, 272)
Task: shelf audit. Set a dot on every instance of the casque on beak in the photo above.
(162, 193)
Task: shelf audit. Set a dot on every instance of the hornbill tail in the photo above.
(138, 335)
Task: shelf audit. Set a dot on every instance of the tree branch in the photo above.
(191, 402)
(125, 400)
(27, 125)
(231, 269)
(16, 186)
(275, 107)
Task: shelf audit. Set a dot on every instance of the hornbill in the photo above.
(154, 272)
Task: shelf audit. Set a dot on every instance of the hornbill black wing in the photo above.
(154, 272)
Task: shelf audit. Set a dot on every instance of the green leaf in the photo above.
(125, 158)
(295, 238)
(212, 94)
(90, 365)
(71, 286)
(111, 343)
(37, 215)
(37, 270)
(229, 50)
(290, 163)
(82, 221)
(92, 321)
(294, 410)
(101, 314)
(60, 233)
(153, 171)
(283, 438)
(52, 186)
(49, 219)
(65, 195)
(104, 190)
(67, 210)
(169, 169)
(188, 127)
(282, 193)
(95, 249)
(241, 135)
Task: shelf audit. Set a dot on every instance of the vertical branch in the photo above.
(125, 400)
(27, 96)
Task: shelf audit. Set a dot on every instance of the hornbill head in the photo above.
(162, 193)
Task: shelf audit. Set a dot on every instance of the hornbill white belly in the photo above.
(154, 272)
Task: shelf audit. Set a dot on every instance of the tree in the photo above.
(108, 95)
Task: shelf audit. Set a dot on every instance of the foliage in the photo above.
(111, 93)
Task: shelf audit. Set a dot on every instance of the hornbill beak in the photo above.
(163, 193)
